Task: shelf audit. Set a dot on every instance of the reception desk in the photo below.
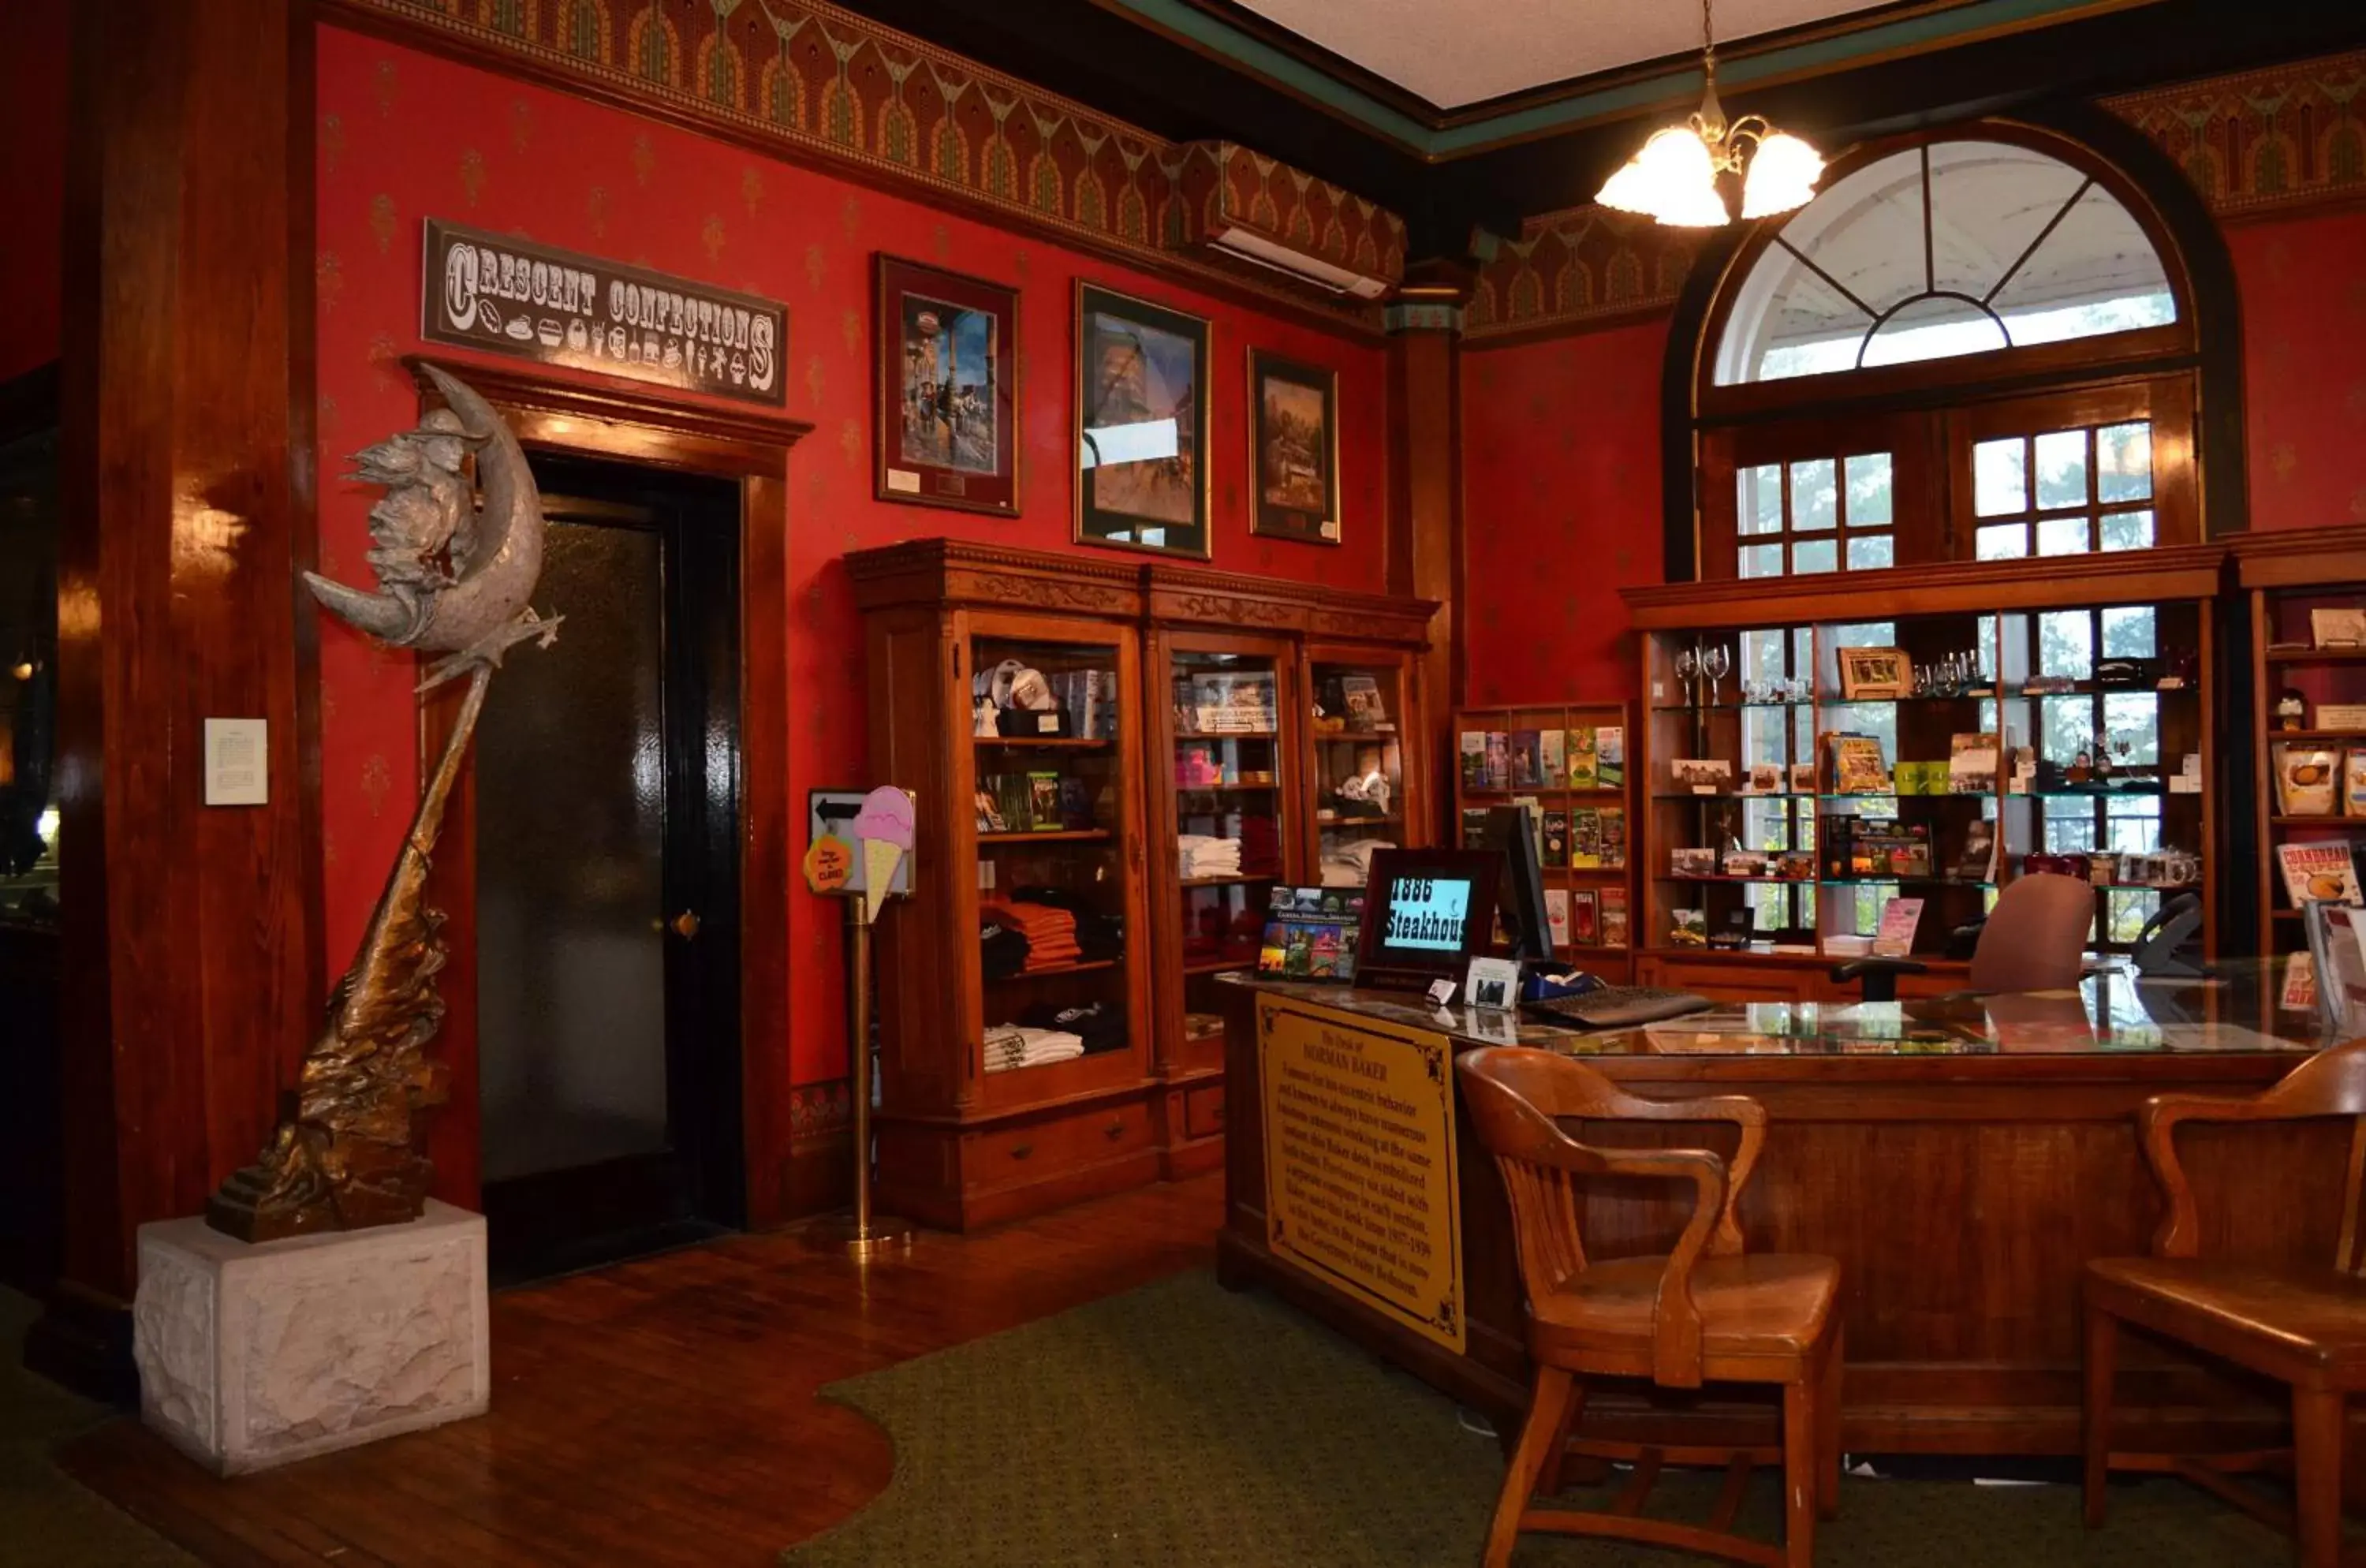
(1962, 1162)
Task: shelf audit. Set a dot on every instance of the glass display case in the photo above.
(1808, 777)
(1233, 839)
(1361, 778)
(1049, 783)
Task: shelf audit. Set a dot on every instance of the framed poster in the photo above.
(1141, 424)
(948, 389)
(1293, 449)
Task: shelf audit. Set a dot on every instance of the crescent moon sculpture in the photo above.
(452, 579)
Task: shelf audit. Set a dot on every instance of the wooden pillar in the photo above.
(191, 933)
(1424, 324)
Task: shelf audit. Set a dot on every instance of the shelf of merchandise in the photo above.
(2284, 576)
(2024, 624)
(1611, 959)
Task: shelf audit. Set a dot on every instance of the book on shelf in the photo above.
(1614, 917)
(1687, 928)
(1614, 837)
(1043, 803)
(2338, 626)
(1899, 916)
(1360, 696)
(1556, 840)
(1584, 760)
(1556, 916)
(2318, 871)
(1610, 757)
(1474, 827)
(1972, 762)
(2353, 783)
(1472, 749)
(1498, 771)
(1585, 918)
(1585, 838)
(1526, 774)
(1553, 758)
(1854, 764)
(1872, 847)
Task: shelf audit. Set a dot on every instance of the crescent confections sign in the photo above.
(502, 295)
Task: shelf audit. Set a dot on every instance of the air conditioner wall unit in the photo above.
(1249, 207)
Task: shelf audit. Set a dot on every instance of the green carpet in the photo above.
(46, 1518)
(1180, 1425)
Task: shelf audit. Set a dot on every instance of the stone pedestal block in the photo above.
(253, 1356)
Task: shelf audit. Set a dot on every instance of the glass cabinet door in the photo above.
(1358, 774)
(1229, 818)
(1050, 792)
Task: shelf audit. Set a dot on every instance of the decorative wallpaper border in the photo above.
(1583, 264)
(842, 88)
(2287, 136)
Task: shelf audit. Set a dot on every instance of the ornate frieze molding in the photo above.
(2288, 136)
(1588, 264)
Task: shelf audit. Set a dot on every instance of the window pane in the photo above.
(2095, 273)
(2065, 644)
(2001, 541)
(1762, 655)
(1761, 508)
(2062, 536)
(1933, 327)
(2130, 910)
(1868, 491)
(2128, 632)
(2062, 468)
(2000, 478)
(2123, 462)
(1815, 500)
(2065, 729)
(2132, 719)
(1869, 550)
(2069, 830)
(1816, 554)
(2132, 827)
(1762, 560)
(2127, 531)
(1989, 201)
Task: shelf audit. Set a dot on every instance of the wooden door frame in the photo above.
(620, 423)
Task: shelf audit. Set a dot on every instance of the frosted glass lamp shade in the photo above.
(1672, 179)
(1783, 174)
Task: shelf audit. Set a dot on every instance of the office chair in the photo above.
(2034, 940)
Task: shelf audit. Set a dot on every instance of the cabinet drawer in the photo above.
(1032, 1150)
(1203, 1111)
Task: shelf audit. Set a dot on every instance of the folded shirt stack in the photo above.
(1099, 937)
(1051, 933)
(1100, 1025)
(1198, 856)
(1013, 1045)
(1002, 949)
(1350, 864)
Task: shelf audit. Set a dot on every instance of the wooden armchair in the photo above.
(1705, 1312)
(2304, 1326)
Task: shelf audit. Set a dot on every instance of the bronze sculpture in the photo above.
(455, 580)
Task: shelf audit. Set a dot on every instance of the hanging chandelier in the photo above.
(1674, 177)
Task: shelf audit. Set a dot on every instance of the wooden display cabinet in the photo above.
(1093, 808)
(1366, 761)
(2103, 655)
(960, 1144)
(2286, 576)
(1563, 803)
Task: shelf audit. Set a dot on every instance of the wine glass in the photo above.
(1714, 664)
(1687, 671)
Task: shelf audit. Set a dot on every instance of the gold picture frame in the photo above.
(1875, 675)
(1293, 477)
(1142, 481)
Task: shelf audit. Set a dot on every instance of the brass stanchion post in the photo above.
(862, 1236)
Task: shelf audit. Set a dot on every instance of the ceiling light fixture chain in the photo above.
(1673, 178)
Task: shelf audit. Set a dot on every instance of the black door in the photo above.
(607, 882)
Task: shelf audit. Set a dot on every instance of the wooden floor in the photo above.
(661, 1412)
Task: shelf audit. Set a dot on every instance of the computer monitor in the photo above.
(1520, 899)
(1426, 914)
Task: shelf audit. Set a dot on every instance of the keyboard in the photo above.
(1616, 1007)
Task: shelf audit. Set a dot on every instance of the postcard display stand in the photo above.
(1807, 759)
(1576, 765)
(1066, 822)
(2307, 601)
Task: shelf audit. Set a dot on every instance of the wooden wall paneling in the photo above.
(602, 418)
(191, 942)
(1426, 556)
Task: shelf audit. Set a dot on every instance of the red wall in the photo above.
(34, 76)
(405, 136)
(1560, 510)
(2304, 285)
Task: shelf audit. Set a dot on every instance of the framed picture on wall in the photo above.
(948, 386)
(1293, 449)
(1141, 424)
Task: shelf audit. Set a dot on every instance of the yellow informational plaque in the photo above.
(1360, 1186)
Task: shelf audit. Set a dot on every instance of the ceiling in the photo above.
(1452, 53)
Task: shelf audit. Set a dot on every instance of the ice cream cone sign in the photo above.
(883, 828)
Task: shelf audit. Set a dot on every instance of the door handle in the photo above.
(685, 925)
